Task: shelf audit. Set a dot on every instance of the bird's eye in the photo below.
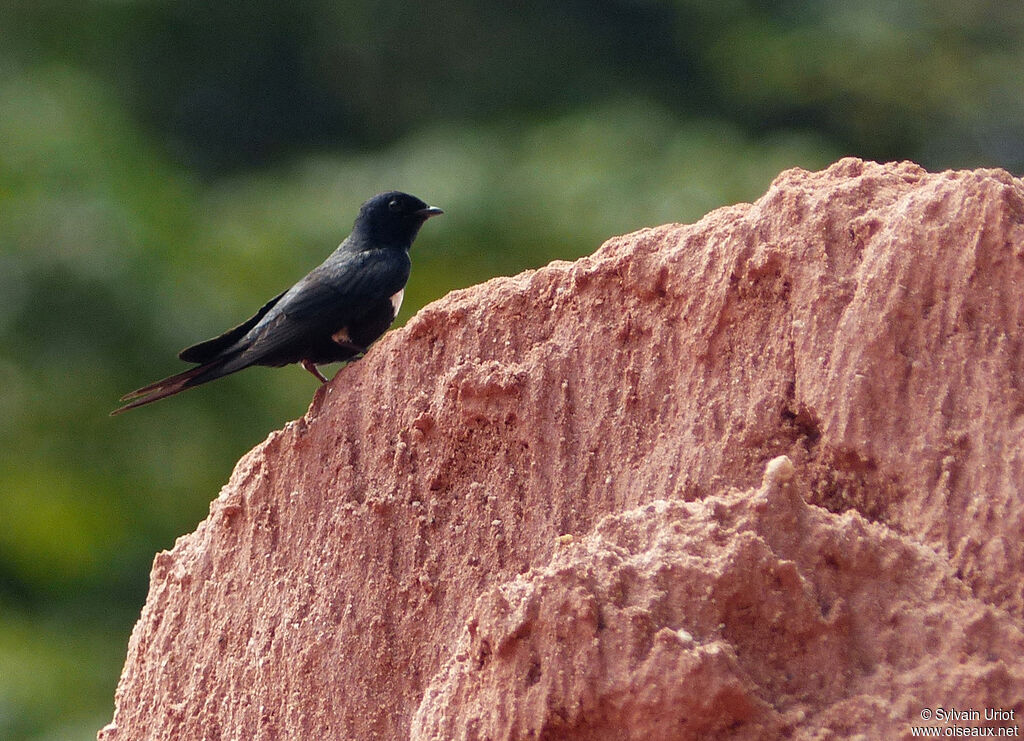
(394, 205)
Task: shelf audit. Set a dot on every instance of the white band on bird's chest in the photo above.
(396, 302)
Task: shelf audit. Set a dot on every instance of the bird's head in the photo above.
(392, 218)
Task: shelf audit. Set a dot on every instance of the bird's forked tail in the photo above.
(174, 384)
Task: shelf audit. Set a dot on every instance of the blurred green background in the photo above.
(167, 167)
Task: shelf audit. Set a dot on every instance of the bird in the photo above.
(332, 314)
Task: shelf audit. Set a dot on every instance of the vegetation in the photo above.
(166, 167)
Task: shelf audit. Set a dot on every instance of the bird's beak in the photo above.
(426, 213)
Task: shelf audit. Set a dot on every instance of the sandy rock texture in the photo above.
(758, 477)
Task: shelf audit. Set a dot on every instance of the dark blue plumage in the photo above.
(333, 314)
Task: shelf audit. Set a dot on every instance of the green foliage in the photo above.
(166, 167)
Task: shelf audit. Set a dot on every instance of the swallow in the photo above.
(333, 314)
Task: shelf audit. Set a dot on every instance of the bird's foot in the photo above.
(311, 367)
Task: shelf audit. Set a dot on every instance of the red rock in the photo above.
(543, 509)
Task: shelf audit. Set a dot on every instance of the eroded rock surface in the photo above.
(543, 509)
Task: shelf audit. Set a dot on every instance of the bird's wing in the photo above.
(334, 294)
(204, 352)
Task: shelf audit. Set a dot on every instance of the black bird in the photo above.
(331, 315)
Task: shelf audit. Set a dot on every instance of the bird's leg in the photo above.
(311, 367)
